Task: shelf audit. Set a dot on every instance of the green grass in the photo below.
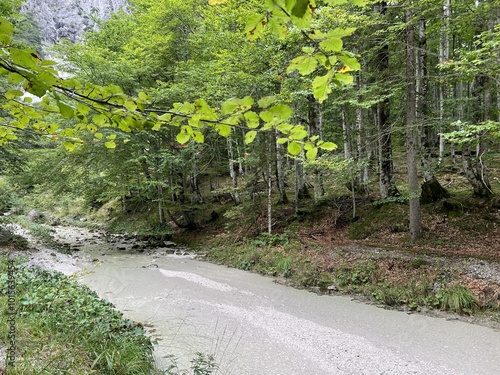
(63, 327)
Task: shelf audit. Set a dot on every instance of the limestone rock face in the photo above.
(69, 19)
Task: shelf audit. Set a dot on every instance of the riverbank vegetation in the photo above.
(63, 327)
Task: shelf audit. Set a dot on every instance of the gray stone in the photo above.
(69, 19)
(34, 216)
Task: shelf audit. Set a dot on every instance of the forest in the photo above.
(270, 131)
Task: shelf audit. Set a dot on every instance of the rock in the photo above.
(55, 221)
(169, 244)
(34, 216)
(69, 19)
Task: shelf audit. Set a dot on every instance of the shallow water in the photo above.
(254, 326)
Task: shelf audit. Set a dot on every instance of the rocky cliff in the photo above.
(69, 19)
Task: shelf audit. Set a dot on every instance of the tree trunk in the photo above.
(194, 181)
(386, 170)
(346, 132)
(431, 186)
(269, 185)
(474, 167)
(280, 174)
(362, 146)
(316, 129)
(444, 56)
(234, 178)
(412, 131)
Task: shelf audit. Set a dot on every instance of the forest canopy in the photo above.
(180, 91)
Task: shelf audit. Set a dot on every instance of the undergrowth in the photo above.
(63, 327)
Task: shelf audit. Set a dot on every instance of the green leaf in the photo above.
(65, 110)
(36, 88)
(247, 101)
(92, 128)
(302, 23)
(70, 146)
(321, 86)
(198, 136)
(223, 130)
(110, 144)
(331, 45)
(266, 101)
(48, 79)
(266, 116)
(82, 109)
(298, 133)
(351, 62)
(144, 96)
(5, 39)
(229, 106)
(48, 63)
(24, 57)
(252, 119)
(11, 94)
(165, 117)
(277, 28)
(285, 128)
(130, 104)
(340, 32)
(322, 59)
(282, 141)
(344, 78)
(300, 8)
(99, 119)
(329, 146)
(250, 136)
(6, 27)
(311, 154)
(294, 148)
(304, 64)
(281, 111)
(15, 79)
(255, 25)
(182, 138)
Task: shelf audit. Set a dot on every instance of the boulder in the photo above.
(34, 216)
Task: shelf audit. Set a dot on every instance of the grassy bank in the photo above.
(62, 327)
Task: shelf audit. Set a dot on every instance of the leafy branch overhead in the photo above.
(325, 52)
(38, 90)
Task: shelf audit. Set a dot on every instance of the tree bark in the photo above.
(234, 178)
(269, 185)
(431, 188)
(280, 174)
(316, 129)
(412, 131)
(386, 169)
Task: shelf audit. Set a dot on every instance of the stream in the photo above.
(254, 326)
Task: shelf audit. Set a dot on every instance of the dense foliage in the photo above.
(181, 93)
